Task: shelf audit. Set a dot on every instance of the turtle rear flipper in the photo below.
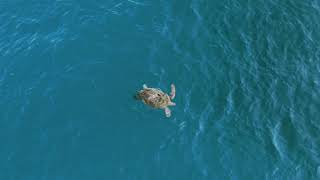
(167, 111)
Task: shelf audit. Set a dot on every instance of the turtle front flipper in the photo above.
(167, 111)
(144, 86)
(173, 91)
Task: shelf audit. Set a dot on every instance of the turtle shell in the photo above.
(154, 97)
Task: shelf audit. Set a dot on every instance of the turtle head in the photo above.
(137, 96)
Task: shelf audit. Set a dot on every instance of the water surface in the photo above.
(246, 72)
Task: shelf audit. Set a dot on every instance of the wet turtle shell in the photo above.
(154, 97)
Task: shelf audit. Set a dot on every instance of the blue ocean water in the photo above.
(247, 75)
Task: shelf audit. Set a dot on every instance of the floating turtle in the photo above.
(157, 99)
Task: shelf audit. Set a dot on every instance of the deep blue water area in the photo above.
(247, 74)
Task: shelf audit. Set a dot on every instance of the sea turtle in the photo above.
(156, 98)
